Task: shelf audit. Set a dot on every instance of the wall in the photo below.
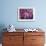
(8, 13)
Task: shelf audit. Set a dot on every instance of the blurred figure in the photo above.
(26, 13)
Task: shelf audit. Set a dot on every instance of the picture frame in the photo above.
(26, 14)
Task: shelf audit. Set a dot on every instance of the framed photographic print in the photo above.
(26, 14)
